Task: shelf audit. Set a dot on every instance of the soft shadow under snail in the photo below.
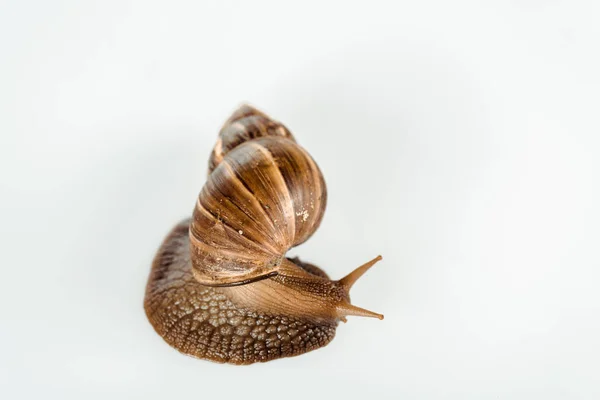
(221, 287)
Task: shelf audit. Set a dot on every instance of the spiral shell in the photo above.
(265, 194)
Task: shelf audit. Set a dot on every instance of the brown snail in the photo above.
(221, 287)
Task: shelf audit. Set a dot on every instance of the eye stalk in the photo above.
(347, 282)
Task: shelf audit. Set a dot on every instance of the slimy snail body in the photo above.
(221, 287)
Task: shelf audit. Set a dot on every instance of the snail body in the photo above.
(221, 287)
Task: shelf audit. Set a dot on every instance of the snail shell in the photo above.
(221, 287)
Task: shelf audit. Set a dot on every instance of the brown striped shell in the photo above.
(264, 196)
(221, 287)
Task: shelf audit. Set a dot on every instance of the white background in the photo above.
(460, 140)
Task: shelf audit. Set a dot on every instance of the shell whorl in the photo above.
(264, 194)
(245, 124)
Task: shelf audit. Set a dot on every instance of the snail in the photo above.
(221, 287)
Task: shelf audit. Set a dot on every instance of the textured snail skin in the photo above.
(221, 287)
(203, 322)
